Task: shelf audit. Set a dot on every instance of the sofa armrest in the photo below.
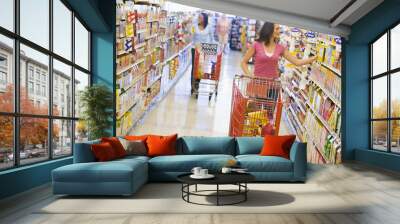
(298, 155)
(83, 152)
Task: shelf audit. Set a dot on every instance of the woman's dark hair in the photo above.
(266, 32)
(205, 19)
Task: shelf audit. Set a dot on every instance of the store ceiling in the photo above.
(327, 16)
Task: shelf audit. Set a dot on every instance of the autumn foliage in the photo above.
(33, 131)
(380, 127)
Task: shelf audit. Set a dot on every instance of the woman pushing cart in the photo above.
(256, 100)
(205, 64)
(206, 70)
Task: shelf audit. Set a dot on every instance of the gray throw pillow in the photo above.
(136, 148)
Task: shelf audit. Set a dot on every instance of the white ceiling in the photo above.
(320, 9)
(315, 15)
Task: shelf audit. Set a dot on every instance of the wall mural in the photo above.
(305, 101)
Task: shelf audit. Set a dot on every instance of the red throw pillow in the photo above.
(277, 145)
(161, 145)
(116, 145)
(103, 151)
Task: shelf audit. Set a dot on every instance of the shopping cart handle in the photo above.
(257, 77)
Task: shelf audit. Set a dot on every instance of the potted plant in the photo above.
(96, 103)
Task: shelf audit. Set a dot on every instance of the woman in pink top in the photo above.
(267, 52)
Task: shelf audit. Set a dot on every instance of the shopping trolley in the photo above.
(256, 106)
(206, 70)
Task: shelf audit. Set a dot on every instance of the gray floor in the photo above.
(378, 189)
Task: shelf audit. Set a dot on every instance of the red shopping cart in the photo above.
(206, 70)
(256, 106)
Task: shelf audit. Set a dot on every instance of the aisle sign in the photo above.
(310, 34)
(295, 30)
(128, 45)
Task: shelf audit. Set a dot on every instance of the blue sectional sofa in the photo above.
(125, 176)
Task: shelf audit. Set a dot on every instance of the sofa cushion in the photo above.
(132, 158)
(136, 147)
(277, 145)
(136, 137)
(257, 163)
(112, 171)
(193, 145)
(249, 145)
(185, 163)
(116, 145)
(103, 152)
(83, 152)
(161, 145)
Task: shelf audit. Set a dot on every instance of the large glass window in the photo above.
(385, 94)
(40, 62)
(395, 47)
(7, 74)
(62, 137)
(81, 81)
(46, 79)
(379, 56)
(6, 142)
(62, 91)
(81, 45)
(7, 14)
(33, 140)
(62, 29)
(35, 21)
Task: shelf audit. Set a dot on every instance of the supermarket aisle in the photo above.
(181, 113)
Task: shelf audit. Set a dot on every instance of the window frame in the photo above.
(16, 114)
(388, 74)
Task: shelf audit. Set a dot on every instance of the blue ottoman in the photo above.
(119, 177)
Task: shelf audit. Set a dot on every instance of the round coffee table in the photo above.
(238, 179)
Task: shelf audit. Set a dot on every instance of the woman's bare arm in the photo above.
(298, 62)
(249, 53)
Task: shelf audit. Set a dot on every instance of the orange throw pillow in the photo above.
(103, 152)
(161, 145)
(277, 145)
(116, 145)
(136, 137)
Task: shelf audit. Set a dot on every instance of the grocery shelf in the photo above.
(318, 148)
(154, 81)
(314, 127)
(294, 131)
(322, 120)
(140, 45)
(119, 116)
(133, 95)
(320, 86)
(130, 66)
(151, 36)
(327, 93)
(334, 70)
(296, 118)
